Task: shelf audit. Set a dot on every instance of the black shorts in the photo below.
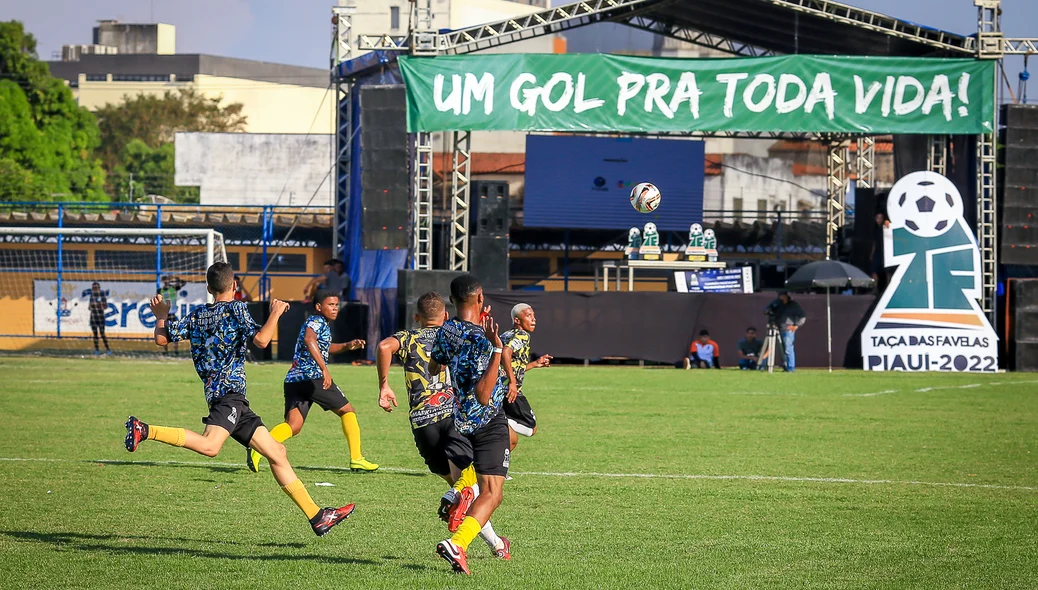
(520, 412)
(302, 394)
(490, 452)
(440, 444)
(232, 413)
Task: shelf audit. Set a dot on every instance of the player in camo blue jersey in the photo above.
(219, 333)
(472, 352)
(310, 382)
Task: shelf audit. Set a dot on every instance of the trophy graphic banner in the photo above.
(650, 249)
(928, 319)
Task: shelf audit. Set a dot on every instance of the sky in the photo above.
(298, 32)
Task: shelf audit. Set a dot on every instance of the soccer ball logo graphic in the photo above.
(925, 203)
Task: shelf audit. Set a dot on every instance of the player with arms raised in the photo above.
(446, 452)
(219, 333)
(309, 381)
(472, 352)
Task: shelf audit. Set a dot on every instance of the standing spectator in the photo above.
(170, 292)
(98, 305)
(788, 316)
(879, 269)
(344, 280)
(331, 279)
(749, 350)
(240, 292)
(704, 353)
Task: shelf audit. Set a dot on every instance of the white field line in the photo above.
(926, 389)
(678, 476)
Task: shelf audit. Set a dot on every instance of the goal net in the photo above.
(69, 290)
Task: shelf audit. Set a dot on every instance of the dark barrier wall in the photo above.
(352, 323)
(658, 327)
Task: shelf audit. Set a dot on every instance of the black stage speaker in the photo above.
(1019, 206)
(412, 284)
(866, 206)
(488, 261)
(385, 178)
(260, 311)
(489, 208)
(352, 323)
(1024, 314)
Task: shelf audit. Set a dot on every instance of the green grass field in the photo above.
(637, 478)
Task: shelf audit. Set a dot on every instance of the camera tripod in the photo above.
(770, 349)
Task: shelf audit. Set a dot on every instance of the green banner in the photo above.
(796, 93)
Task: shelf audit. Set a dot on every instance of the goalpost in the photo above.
(48, 301)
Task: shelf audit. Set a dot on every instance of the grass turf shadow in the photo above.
(230, 469)
(109, 544)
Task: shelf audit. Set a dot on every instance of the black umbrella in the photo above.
(828, 274)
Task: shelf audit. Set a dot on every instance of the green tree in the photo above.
(151, 172)
(152, 120)
(47, 140)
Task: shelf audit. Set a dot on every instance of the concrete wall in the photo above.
(137, 38)
(751, 183)
(268, 107)
(255, 169)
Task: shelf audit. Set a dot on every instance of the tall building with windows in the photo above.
(127, 59)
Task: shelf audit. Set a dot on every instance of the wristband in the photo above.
(498, 350)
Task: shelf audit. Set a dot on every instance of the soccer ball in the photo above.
(645, 197)
(925, 203)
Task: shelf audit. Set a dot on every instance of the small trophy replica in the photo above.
(695, 251)
(650, 249)
(634, 242)
(710, 243)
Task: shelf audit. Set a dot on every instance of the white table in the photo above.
(602, 269)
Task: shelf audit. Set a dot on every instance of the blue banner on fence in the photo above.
(725, 280)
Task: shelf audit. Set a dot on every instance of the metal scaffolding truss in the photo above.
(880, 23)
(836, 192)
(552, 20)
(423, 201)
(937, 154)
(695, 36)
(987, 228)
(865, 161)
(342, 29)
(460, 201)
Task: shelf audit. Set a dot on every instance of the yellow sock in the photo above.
(351, 429)
(281, 432)
(467, 479)
(170, 436)
(468, 530)
(297, 491)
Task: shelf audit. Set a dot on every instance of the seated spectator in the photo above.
(749, 350)
(703, 353)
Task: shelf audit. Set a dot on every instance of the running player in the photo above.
(473, 355)
(521, 419)
(98, 305)
(431, 401)
(309, 381)
(219, 333)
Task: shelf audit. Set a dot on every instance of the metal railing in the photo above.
(266, 228)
